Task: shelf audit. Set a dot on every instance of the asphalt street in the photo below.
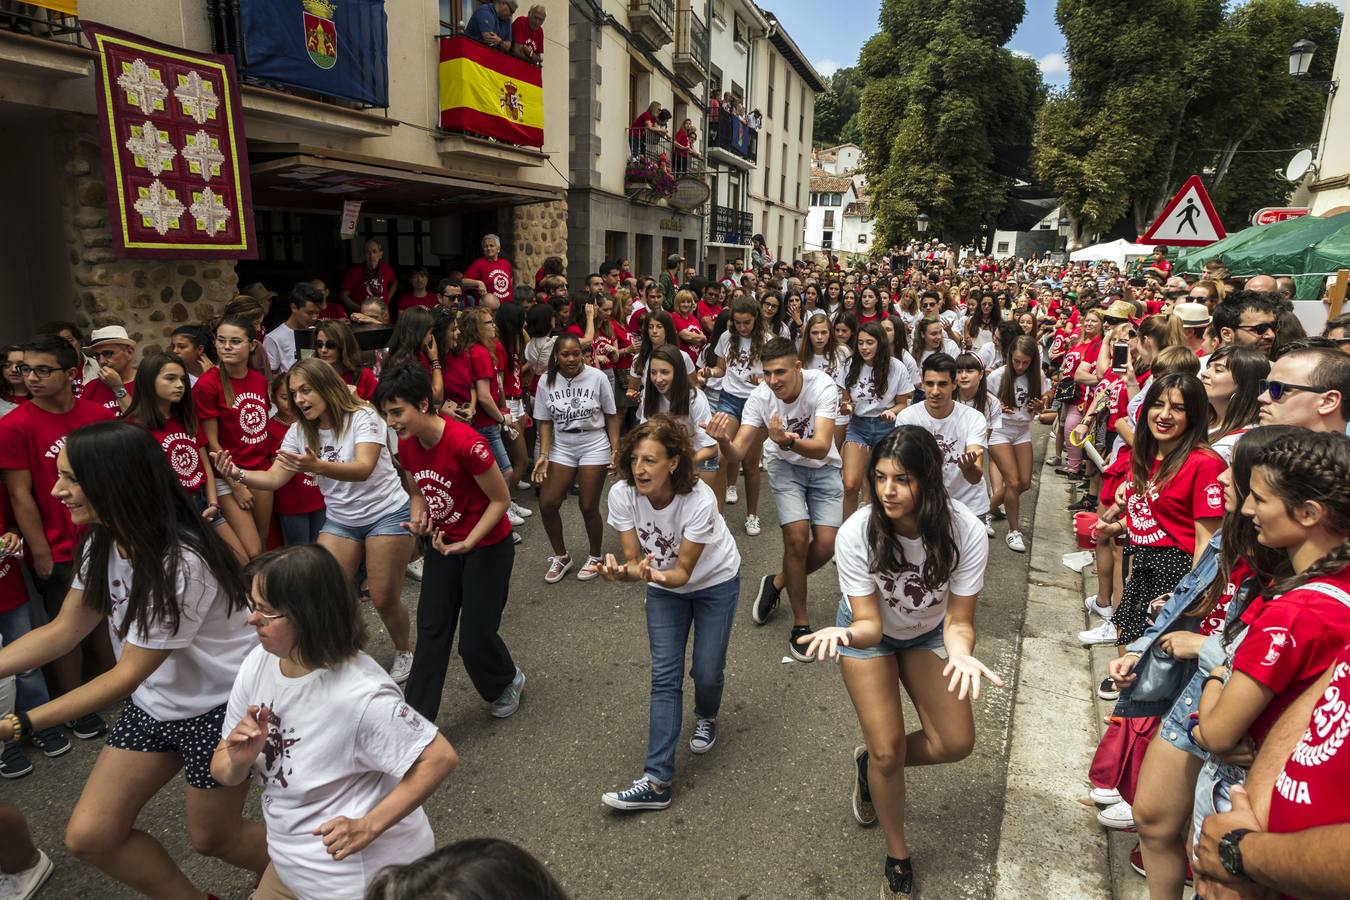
(764, 814)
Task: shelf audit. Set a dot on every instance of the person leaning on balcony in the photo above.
(643, 125)
(491, 24)
(527, 35)
(686, 145)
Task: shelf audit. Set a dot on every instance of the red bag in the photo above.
(1120, 753)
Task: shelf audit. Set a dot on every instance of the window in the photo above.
(799, 179)
(862, 239)
(782, 177)
(455, 14)
(829, 218)
(280, 236)
(720, 12)
(827, 240)
(814, 195)
(407, 242)
(1002, 247)
(787, 104)
(768, 108)
(768, 164)
(801, 125)
(738, 32)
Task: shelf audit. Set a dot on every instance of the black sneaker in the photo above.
(88, 727)
(766, 601)
(898, 882)
(644, 794)
(51, 742)
(798, 651)
(1107, 689)
(1086, 503)
(863, 810)
(13, 764)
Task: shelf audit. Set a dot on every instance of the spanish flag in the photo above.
(487, 92)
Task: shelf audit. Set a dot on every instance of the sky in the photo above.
(833, 41)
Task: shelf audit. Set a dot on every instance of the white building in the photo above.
(1326, 187)
(845, 159)
(839, 220)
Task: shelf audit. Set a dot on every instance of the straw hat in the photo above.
(1192, 315)
(1121, 310)
(109, 334)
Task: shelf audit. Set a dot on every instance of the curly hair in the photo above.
(1305, 466)
(672, 436)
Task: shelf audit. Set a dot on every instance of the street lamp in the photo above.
(921, 223)
(1300, 57)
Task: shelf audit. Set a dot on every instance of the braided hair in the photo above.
(1312, 467)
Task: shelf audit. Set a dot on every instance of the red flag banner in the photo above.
(175, 163)
(485, 91)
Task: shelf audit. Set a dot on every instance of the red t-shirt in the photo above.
(13, 594)
(30, 439)
(461, 371)
(445, 475)
(300, 495)
(522, 33)
(1214, 622)
(333, 310)
(1060, 343)
(1166, 517)
(409, 300)
(496, 274)
(98, 392)
(1079, 353)
(641, 122)
(361, 283)
(707, 311)
(636, 312)
(241, 429)
(1310, 790)
(681, 324)
(511, 385)
(682, 139)
(1291, 640)
(184, 453)
(365, 385)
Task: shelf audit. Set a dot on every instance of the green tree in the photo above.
(837, 109)
(942, 92)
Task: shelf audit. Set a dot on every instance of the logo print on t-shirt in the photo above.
(1279, 637)
(1214, 496)
(436, 489)
(276, 750)
(663, 547)
(329, 453)
(501, 283)
(182, 455)
(802, 427)
(904, 588)
(947, 448)
(1330, 725)
(252, 414)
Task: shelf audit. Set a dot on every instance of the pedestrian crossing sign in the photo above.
(1188, 220)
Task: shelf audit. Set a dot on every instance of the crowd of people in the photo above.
(292, 475)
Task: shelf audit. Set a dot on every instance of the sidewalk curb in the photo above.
(1051, 846)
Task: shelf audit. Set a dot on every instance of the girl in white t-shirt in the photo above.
(342, 441)
(875, 389)
(669, 392)
(931, 337)
(578, 430)
(1022, 391)
(739, 368)
(173, 598)
(822, 350)
(344, 762)
(675, 541)
(911, 566)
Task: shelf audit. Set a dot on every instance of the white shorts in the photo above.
(1011, 433)
(516, 407)
(580, 448)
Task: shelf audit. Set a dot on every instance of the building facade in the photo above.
(1326, 189)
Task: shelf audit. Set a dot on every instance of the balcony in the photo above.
(652, 22)
(42, 46)
(733, 142)
(659, 170)
(730, 226)
(691, 47)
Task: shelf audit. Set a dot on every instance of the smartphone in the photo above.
(1120, 355)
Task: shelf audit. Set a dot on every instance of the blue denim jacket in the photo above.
(1132, 704)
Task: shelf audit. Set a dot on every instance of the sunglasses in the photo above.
(1258, 328)
(1277, 389)
(325, 345)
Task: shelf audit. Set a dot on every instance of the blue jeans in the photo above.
(302, 528)
(493, 435)
(711, 611)
(30, 687)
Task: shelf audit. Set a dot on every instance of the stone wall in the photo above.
(149, 297)
(536, 231)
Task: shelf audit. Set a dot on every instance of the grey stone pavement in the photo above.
(766, 812)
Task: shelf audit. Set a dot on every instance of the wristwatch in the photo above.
(790, 443)
(120, 393)
(1230, 854)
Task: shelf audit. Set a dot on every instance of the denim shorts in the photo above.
(711, 464)
(493, 435)
(868, 430)
(389, 525)
(806, 494)
(198, 498)
(1212, 789)
(732, 405)
(887, 646)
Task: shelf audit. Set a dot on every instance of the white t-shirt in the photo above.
(1022, 393)
(739, 367)
(354, 502)
(577, 404)
(699, 413)
(818, 398)
(338, 741)
(836, 368)
(948, 347)
(208, 647)
(639, 369)
(992, 411)
(990, 355)
(870, 399)
(279, 344)
(691, 516)
(909, 608)
(964, 427)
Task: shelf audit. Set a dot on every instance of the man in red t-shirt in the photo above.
(488, 278)
(116, 356)
(31, 437)
(418, 296)
(373, 278)
(527, 35)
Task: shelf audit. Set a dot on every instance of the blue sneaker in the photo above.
(509, 701)
(704, 736)
(51, 742)
(644, 794)
(13, 764)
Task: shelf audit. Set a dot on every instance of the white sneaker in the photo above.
(590, 569)
(516, 538)
(1091, 604)
(1118, 816)
(1105, 796)
(731, 494)
(25, 884)
(515, 520)
(1054, 461)
(415, 569)
(557, 568)
(988, 524)
(521, 511)
(752, 526)
(524, 486)
(402, 666)
(1104, 633)
(1016, 543)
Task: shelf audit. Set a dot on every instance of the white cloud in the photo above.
(1022, 53)
(826, 67)
(1053, 64)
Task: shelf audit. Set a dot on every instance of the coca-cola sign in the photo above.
(1272, 214)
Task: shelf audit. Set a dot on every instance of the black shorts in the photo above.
(194, 740)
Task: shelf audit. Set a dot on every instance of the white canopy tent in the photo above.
(1117, 251)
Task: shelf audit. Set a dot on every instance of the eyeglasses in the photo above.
(1258, 328)
(325, 345)
(41, 372)
(270, 617)
(1277, 389)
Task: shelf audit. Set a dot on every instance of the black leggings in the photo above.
(470, 590)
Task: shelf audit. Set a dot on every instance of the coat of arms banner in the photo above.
(337, 48)
(485, 91)
(175, 163)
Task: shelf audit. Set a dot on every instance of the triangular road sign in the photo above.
(1189, 220)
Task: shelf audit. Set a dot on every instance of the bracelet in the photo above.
(1135, 653)
(435, 367)
(238, 477)
(1209, 678)
(19, 723)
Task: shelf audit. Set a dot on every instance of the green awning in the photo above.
(1308, 248)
